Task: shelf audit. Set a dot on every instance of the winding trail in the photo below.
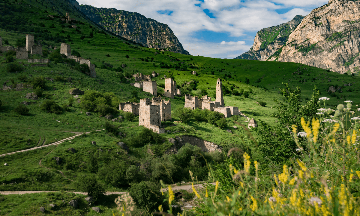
(44, 146)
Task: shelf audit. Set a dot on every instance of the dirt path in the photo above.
(174, 188)
(44, 146)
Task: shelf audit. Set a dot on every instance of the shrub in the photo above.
(114, 173)
(111, 128)
(144, 137)
(22, 78)
(71, 101)
(221, 123)
(9, 59)
(39, 91)
(129, 116)
(246, 94)
(262, 103)
(21, 109)
(75, 53)
(213, 117)
(21, 42)
(10, 53)
(89, 184)
(14, 67)
(127, 56)
(45, 53)
(146, 195)
(56, 57)
(39, 82)
(133, 174)
(51, 106)
(184, 114)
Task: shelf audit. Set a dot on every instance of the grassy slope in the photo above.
(16, 130)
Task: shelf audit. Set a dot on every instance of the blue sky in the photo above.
(215, 28)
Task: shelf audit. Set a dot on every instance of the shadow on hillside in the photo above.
(250, 113)
(197, 127)
(108, 200)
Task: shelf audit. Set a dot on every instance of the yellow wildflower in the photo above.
(240, 209)
(254, 206)
(348, 140)
(301, 174)
(216, 187)
(206, 194)
(242, 184)
(246, 162)
(160, 208)
(293, 197)
(292, 182)
(301, 164)
(306, 127)
(239, 193)
(228, 199)
(351, 176)
(171, 195)
(256, 165)
(358, 173)
(294, 129)
(336, 127)
(324, 209)
(342, 195)
(353, 137)
(196, 193)
(276, 180)
(315, 126)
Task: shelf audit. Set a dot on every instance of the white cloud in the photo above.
(239, 18)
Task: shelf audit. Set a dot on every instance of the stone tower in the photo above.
(219, 93)
(29, 42)
(65, 49)
(170, 88)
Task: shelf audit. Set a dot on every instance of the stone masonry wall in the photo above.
(36, 49)
(21, 53)
(208, 105)
(204, 145)
(130, 107)
(170, 88)
(150, 86)
(38, 60)
(224, 110)
(191, 102)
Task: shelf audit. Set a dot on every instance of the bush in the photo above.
(262, 103)
(246, 94)
(213, 117)
(21, 42)
(75, 53)
(145, 137)
(51, 106)
(21, 109)
(129, 116)
(9, 59)
(22, 78)
(90, 185)
(39, 82)
(221, 123)
(71, 101)
(45, 53)
(83, 68)
(14, 67)
(113, 173)
(39, 91)
(133, 174)
(184, 114)
(10, 53)
(146, 195)
(111, 128)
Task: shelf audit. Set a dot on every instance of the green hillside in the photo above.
(253, 86)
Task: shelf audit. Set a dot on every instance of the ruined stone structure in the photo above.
(219, 93)
(36, 49)
(29, 42)
(65, 49)
(68, 19)
(137, 85)
(149, 115)
(130, 107)
(252, 123)
(234, 110)
(141, 77)
(150, 86)
(38, 60)
(178, 92)
(154, 74)
(21, 53)
(170, 88)
(204, 145)
(224, 110)
(192, 102)
(77, 59)
(165, 108)
(91, 66)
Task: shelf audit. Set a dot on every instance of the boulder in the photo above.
(73, 203)
(52, 206)
(72, 150)
(93, 143)
(42, 209)
(89, 199)
(31, 96)
(109, 116)
(58, 160)
(97, 209)
(5, 164)
(252, 123)
(76, 91)
(88, 113)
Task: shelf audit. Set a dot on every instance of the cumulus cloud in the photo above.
(238, 18)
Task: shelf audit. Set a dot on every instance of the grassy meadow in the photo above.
(253, 86)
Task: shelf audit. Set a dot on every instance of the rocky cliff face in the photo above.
(269, 40)
(327, 38)
(135, 27)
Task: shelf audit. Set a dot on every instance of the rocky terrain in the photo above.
(134, 27)
(327, 38)
(269, 40)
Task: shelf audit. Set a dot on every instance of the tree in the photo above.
(89, 184)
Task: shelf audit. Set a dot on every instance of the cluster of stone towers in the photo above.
(151, 112)
(66, 50)
(23, 52)
(193, 102)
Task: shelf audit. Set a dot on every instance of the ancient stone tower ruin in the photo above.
(165, 108)
(130, 107)
(65, 49)
(29, 42)
(170, 88)
(192, 102)
(151, 87)
(21, 53)
(91, 66)
(219, 93)
(149, 115)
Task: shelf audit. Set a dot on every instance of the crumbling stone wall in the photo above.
(21, 53)
(224, 110)
(36, 49)
(77, 59)
(65, 49)
(170, 88)
(150, 86)
(29, 42)
(149, 115)
(208, 105)
(234, 110)
(192, 102)
(138, 85)
(91, 66)
(165, 108)
(219, 93)
(178, 92)
(204, 145)
(130, 107)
